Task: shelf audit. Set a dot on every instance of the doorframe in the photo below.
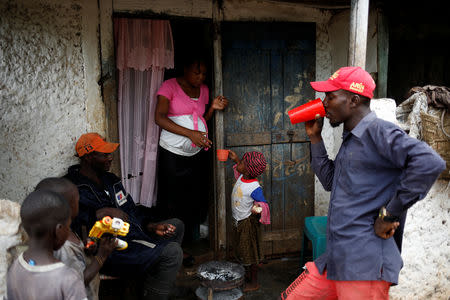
(220, 211)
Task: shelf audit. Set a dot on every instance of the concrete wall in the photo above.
(47, 99)
(426, 248)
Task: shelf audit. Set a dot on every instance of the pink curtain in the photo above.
(144, 48)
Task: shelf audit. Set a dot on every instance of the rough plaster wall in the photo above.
(426, 248)
(323, 71)
(339, 29)
(42, 93)
(95, 107)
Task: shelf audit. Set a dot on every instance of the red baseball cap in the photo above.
(90, 142)
(352, 79)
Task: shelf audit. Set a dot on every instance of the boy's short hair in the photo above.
(41, 211)
(255, 163)
(58, 185)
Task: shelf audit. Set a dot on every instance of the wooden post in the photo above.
(219, 171)
(359, 16)
(382, 54)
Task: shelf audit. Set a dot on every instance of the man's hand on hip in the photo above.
(385, 229)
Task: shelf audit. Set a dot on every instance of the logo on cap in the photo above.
(335, 75)
(353, 79)
(92, 141)
(357, 87)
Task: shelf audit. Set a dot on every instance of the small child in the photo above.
(248, 205)
(72, 253)
(36, 273)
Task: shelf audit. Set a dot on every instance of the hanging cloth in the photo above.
(144, 48)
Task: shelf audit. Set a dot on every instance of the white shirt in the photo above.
(180, 144)
(242, 201)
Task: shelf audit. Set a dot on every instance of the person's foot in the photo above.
(251, 287)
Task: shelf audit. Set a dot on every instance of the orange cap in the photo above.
(90, 142)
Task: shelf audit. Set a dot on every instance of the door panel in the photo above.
(267, 68)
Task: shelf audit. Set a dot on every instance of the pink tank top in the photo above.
(181, 104)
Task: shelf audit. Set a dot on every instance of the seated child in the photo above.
(248, 205)
(36, 273)
(72, 253)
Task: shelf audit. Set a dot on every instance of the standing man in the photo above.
(154, 253)
(377, 175)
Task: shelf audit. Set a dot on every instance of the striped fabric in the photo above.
(255, 163)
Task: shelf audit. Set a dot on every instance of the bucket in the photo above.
(222, 154)
(307, 111)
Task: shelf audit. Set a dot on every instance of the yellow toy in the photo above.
(114, 226)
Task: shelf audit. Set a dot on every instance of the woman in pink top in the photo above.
(182, 112)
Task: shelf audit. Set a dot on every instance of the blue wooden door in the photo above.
(267, 68)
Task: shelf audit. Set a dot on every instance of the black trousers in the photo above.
(183, 187)
(160, 278)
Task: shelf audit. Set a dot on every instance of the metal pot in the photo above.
(221, 275)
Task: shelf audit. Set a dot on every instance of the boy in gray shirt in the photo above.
(37, 274)
(72, 253)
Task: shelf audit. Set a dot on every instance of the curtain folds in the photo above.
(143, 43)
(144, 48)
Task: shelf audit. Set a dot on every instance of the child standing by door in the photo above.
(249, 207)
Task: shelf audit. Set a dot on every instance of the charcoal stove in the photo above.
(220, 280)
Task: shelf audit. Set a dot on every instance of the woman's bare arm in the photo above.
(162, 109)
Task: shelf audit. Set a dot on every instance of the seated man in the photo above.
(154, 252)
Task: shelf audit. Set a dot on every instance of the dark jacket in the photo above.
(140, 254)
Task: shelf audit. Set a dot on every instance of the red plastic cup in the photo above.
(222, 154)
(307, 111)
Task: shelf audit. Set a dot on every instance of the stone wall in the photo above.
(42, 91)
(426, 248)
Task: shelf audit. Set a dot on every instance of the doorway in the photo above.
(196, 34)
(267, 68)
